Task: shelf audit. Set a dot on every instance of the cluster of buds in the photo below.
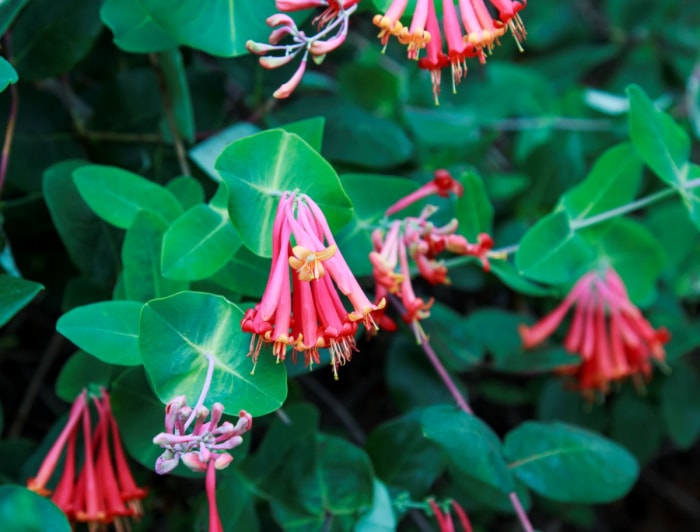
(308, 313)
(104, 491)
(204, 448)
(481, 33)
(610, 334)
(420, 239)
(444, 518)
(332, 29)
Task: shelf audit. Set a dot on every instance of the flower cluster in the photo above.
(204, 448)
(610, 334)
(332, 25)
(308, 313)
(481, 33)
(420, 239)
(104, 490)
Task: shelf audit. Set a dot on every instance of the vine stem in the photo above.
(451, 386)
(205, 389)
(11, 120)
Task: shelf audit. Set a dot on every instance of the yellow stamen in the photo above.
(308, 263)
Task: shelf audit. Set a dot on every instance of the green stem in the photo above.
(624, 209)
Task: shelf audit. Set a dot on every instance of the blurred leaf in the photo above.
(177, 335)
(79, 372)
(509, 276)
(141, 253)
(15, 294)
(473, 209)
(258, 169)
(245, 274)
(107, 330)
(632, 416)
(92, 244)
(9, 9)
(551, 251)
(403, 457)
(569, 464)
(680, 405)
(612, 182)
(472, 448)
(49, 37)
(22, 509)
(134, 28)
(206, 152)
(235, 503)
(380, 517)
(187, 190)
(178, 92)
(117, 195)
(8, 74)
(559, 402)
(201, 241)
(659, 141)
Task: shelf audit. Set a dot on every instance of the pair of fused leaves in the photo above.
(560, 462)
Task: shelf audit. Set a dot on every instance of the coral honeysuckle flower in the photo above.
(480, 35)
(103, 491)
(309, 312)
(332, 25)
(420, 239)
(608, 332)
(444, 518)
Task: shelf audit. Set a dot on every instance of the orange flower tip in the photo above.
(32, 485)
(526, 334)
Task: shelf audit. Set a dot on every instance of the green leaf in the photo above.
(206, 152)
(691, 196)
(7, 74)
(680, 405)
(259, 168)
(659, 141)
(245, 274)
(141, 258)
(180, 332)
(551, 252)
(310, 129)
(633, 415)
(49, 38)
(236, 504)
(473, 210)
(107, 330)
(569, 464)
(79, 372)
(178, 92)
(117, 195)
(91, 243)
(22, 509)
(15, 294)
(403, 457)
(380, 517)
(201, 241)
(355, 239)
(187, 190)
(612, 182)
(134, 28)
(9, 9)
(472, 448)
(509, 276)
(218, 27)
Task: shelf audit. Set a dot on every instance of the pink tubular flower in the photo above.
(332, 25)
(420, 239)
(308, 313)
(610, 334)
(100, 493)
(444, 518)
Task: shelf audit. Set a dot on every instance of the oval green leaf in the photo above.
(179, 333)
(568, 464)
(22, 509)
(15, 294)
(134, 28)
(117, 195)
(107, 330)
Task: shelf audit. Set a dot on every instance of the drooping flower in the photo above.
(607, 331)
(103, 491)
(481, 33)
(332, 25)
(422, 241)
(308, 313)
(204, 448)
(444, 517)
